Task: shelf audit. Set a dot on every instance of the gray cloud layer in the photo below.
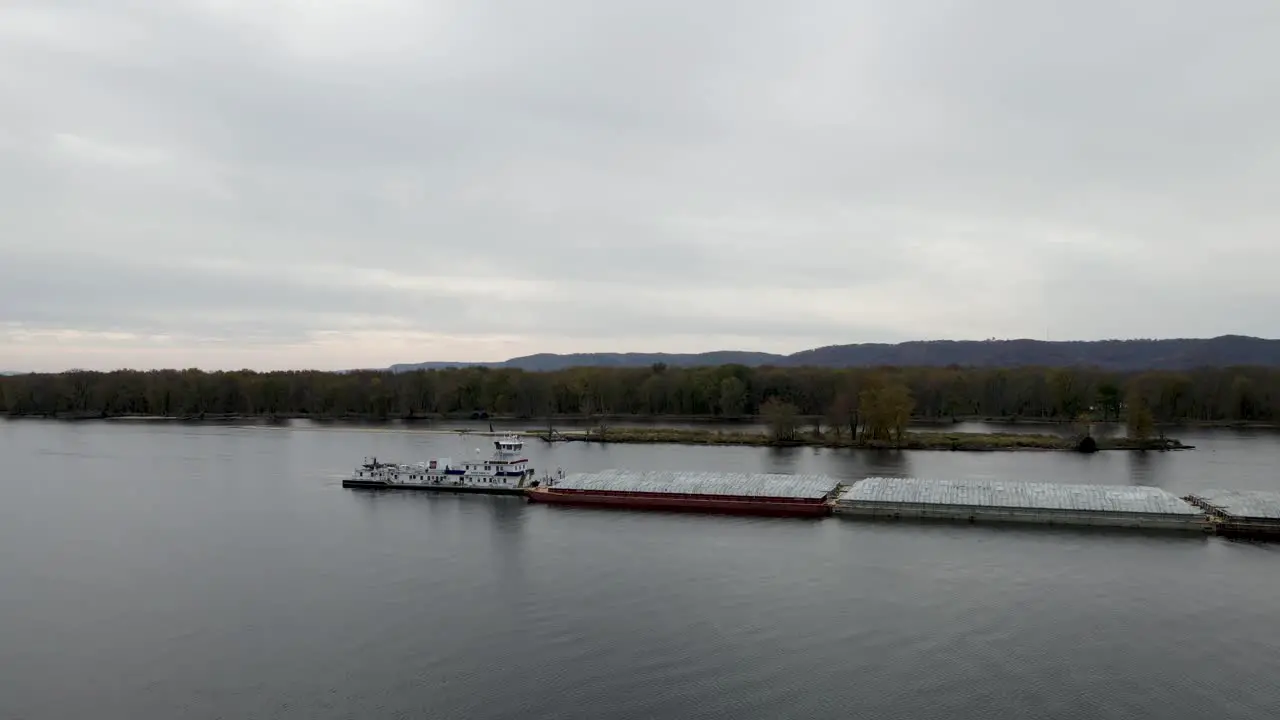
(227, 183)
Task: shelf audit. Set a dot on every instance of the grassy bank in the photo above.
(912, 441)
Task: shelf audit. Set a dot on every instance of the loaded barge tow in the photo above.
(1232, 513)
(765, 494)
(507, 472)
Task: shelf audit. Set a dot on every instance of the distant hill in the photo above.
(440, 365)
(548, 361)
(1178, 354)
(551, 361)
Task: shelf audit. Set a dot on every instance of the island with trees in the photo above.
(869, 407)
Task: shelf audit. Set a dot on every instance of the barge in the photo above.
(763, 494)
(507, 472)
(1121, 506)
(1233, 513)
(1241, 513)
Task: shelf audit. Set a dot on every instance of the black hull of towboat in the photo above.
(465, 489)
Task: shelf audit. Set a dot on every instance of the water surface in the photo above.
(164, 570)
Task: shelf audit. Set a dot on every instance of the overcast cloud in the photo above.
(274, 184)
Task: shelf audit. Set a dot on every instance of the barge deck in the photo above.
(725, 493)
(1037, 503)
(1241, 513)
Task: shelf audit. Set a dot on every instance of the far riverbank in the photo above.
(582, 419)
(971, 442)
(688, 430)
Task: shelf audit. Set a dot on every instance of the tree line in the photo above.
(728, 391)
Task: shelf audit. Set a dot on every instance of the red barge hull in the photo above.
(771, 507)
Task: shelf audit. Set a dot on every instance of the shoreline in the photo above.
(656, 421)
(960, 442)
(747, 437)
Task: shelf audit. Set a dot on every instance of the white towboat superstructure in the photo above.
(506, 472)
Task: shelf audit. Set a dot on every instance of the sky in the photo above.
(333, 184)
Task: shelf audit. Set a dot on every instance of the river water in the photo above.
(167, 570)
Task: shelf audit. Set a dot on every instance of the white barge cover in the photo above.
(770, 485)
(889, 492)
(1252, 504)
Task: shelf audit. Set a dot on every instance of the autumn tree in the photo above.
(886, 407)
(1138, 418)
(844, 408)
(898, 405)
(782, 418)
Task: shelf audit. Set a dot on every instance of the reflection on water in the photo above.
(1239, 458)
(854, 464)
(1143, 468)
(783, 459)
(844, 462)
